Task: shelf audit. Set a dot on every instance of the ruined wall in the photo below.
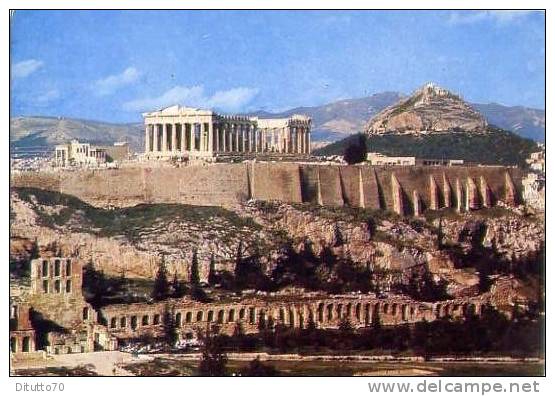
(405, 190)
(134, 320)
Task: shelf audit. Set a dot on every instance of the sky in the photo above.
(113, 65)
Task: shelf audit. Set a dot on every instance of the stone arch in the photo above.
(26, 344)
(113, 323)
(282, 315)
(210, 316)
(156, 319)
(178, 317)
(330, 312)
(394, 309)
(439, 311)
(188, 317)
(339, 311)
(13, 344)
(321, 312)
(85, 313)
(405, 312)
(358, 313)
(386, 308)
(262, 318)
(252, 315)
(311, 317)
(367, 313)
(221, 315)
(242, 314)
(123, 322)
(133, 322)
(292, 317)
(144, 321)
(200, 316)
(231, 315)
(349, 309)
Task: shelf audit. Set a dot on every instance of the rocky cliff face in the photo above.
(368, 238)
(429, 109)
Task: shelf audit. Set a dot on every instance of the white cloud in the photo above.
(230, 100)
(24, 68)
(48, 96)
(108, 85)
(499, 16)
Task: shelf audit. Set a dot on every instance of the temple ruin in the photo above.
(188, 132)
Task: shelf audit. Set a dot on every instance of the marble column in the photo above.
(224, 137)
(173, 137)
(217, 138)
(164, 137)
(183, 137)
(210, 147)
(192, 136)
(236, 136)
(147, 141)
(155, 137)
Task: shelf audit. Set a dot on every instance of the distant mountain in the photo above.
(36, 134)
(526, 122)
(334, 121)
(429, 109)
(331, 122)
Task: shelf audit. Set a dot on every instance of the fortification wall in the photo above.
(405, 190)
(271, 181)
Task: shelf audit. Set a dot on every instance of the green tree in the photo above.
(213, 362)
(195, 276)
(169, 326)
(161, 288)
(356, 151)
(178, 289)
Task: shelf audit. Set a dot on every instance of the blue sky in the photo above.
(111, 65)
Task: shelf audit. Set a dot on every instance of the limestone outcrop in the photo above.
(429, 109)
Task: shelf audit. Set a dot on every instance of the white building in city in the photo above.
(380, 159)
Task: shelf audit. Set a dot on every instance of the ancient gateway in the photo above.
(178, 131)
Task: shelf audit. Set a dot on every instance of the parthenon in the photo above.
(188, 132)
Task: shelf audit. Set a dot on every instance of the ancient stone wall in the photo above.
(391, 188)
(134, 320)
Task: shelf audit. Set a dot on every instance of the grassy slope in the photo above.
(499, 147)
(123, 221)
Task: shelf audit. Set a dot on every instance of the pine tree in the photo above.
(169, 326)
(177, 287)
(195, 276)
(161, 289)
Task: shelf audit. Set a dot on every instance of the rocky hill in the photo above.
(36, 134)
(330, 244)
(429, 109)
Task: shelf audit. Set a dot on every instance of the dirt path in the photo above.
(105, 363)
